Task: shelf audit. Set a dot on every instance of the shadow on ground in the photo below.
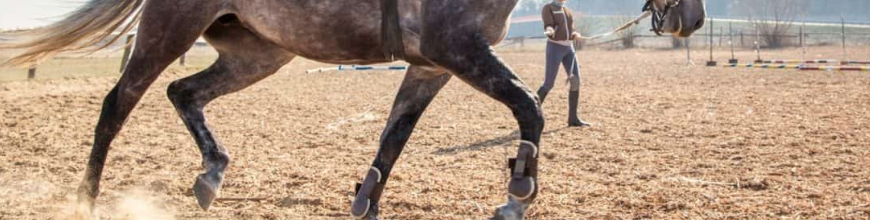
(513, 136)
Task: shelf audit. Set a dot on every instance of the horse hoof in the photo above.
(81, 209)
(85, 202)
(508, 211)
(360, 207)
(368, 211)
(522, 189)
(206, 190)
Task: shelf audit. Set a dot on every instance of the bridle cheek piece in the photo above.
(659, 15)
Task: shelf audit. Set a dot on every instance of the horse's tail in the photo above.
(84, 30)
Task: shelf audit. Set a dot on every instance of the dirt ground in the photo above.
(669, 142)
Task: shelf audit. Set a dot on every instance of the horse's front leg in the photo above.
(465, 52)
(420, 86)
(475, 64)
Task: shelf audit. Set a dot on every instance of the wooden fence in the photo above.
(128, 48)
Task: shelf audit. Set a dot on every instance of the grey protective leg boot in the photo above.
(573, 120)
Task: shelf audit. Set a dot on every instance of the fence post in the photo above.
(711, 62)
(31, 73)
(688, 52)
(801, 36)
(181, 60)
(804, 39)
(127, 48)
(757, 43)
(733, 60)
(721, 35)
(676, 42)
(843, 32)
(742, 44)
(522, 42)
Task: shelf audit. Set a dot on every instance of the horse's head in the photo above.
(678, 17)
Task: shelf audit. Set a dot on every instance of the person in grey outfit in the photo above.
(559, 28)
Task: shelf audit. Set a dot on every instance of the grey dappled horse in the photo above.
(440, 39)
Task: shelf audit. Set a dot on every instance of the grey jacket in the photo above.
(560, 19)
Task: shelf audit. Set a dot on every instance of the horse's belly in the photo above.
(328, 31)
(340, 50)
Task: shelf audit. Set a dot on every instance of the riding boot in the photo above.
(573, 120)
(542, 95)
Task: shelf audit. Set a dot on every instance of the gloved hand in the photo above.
(550, 32)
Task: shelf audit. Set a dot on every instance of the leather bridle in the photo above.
(659, 15)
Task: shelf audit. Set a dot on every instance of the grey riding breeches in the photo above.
(565, 55)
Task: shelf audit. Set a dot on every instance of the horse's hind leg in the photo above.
(420, 86)
(164, 35)
(244, 60)
(467, 54)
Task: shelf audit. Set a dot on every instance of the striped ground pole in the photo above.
(854, 62)
(836, 68)
(797, 61)
(764, 66)
(847, 62)
(801, 67)
(357, 68)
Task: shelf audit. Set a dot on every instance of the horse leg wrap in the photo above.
(371, 187)
(524, 169)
